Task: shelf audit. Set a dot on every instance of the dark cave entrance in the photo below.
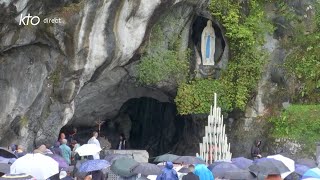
(157, 127)
(199, 24)
(150, 125)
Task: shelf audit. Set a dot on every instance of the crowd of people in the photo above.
(198, 172)
(66, 147)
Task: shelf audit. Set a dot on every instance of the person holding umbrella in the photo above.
(94, 167)
(20, 151)
(94, 140)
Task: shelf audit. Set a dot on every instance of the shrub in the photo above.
(300, 123)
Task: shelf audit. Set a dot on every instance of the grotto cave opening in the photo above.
(150, 125)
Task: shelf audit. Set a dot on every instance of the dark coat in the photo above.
(98, 175)
(190, 176)
(255, 150)
(56, 148)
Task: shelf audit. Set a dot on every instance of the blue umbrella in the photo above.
(312, 173)
(260, 160)
(93, 165)
(301, 169)
(241, 162)
(215, 163)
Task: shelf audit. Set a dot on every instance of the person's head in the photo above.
(122, 137)
(191, 168)
(74, 142)
(13, 147)
(75, 129)
(169, 165)
(209, 23)
(64, 141)
(257, 143)
(273, 177)
(41, 149)
(20, 147)
(95, 134)
(48, 145)
(57, 144)
(62, 136)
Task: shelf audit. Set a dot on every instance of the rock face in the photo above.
(80, 69)
(274, 92)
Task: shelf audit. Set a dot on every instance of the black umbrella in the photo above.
(147, 169)
(124, 167)
(112, 157)
(166, 157)
(184, 170)
(6, 154)
(189, 160)
(268, 166)
(242, 163)
(239, 175)
(5, 168)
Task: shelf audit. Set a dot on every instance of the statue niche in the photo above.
(208, 44)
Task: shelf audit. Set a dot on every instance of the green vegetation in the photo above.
(300, 123)
(246, 34)
(196, 96)
(304, 60)
(24, 121)
(55, 77)
(163, 64)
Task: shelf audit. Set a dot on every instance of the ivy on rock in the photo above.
(162, 65)
(197, 96)
(300, 123)
(303, 61)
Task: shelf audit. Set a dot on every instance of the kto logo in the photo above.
(33, 20)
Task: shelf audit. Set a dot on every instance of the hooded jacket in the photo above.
(168, 173)
(203, 172)
(255, 150)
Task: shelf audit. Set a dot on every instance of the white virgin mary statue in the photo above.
(208, 44)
